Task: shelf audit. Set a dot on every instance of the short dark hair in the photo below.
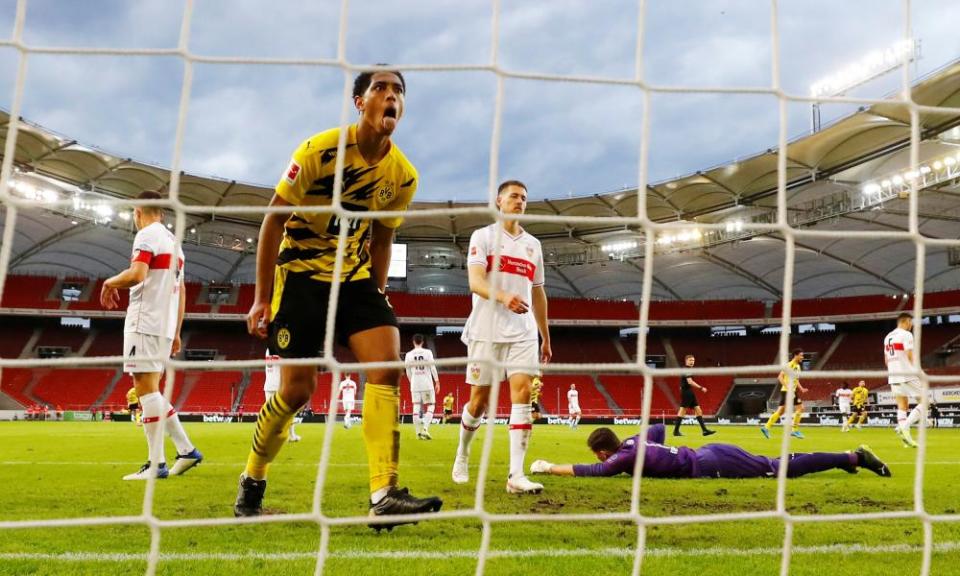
(150, 195)
(689, 356)
(507, 183)
(797, 351)
(903, 316)
(846, 384)
(418, 339)
(362, 81)
(603, 439)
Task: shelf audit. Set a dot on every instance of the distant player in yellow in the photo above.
(859, 405)
(536, 386)
(133, 404)
(789, 378)
(296, 258)
(447, 406)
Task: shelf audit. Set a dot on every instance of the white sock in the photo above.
(153, 406)
(427, 418)
(468, 427)
(901, 417)
(346, 417)
(377, 496)
(521, 426)
(914, 417)
(176, 432)
(416, 418)
(292, 433)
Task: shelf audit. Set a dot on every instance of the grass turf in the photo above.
(73, 470)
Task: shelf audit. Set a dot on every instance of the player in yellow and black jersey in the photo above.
(133, 405)
(789, 380)
(859, 402)
(296, 255)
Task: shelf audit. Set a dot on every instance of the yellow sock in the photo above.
(773, 420)
(796, 418)
(381, 433)
(273, 425)
(850, 421)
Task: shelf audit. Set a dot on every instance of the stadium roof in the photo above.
(825, 173)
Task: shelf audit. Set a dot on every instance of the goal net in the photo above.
(648, 229)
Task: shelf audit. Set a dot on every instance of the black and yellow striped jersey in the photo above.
(792, 374)
(310, 239)
(860, 395)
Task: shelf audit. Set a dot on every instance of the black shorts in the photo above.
(796, 398)
(298, 328)
(859, 409)
(447, 412)
(534, 406)
(688, 399)
(133, 407)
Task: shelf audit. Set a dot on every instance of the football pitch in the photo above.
(61, 470)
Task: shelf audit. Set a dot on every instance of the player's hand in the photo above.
(703, 389)
(540, 467)
(258, 318)
(514, 303)
(109, 297)
(546, 353)
(436, 388)
(176, 346)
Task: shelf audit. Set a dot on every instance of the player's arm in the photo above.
(180, 310)
(268, 245)
(436, 378)
(609, 467)
(695, 385)
(381, 246)
(480, 286)
(540, 313)
(409, 367)
(782, 378)
(135, 274)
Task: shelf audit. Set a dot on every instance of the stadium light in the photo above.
(873, 65)
(934, 172)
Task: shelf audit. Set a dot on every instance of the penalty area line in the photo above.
(844, 549)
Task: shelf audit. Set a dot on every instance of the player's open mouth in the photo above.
(390, 113)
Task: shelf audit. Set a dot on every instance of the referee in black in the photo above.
(688, 400)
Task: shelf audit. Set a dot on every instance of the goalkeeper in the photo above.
(710, 461)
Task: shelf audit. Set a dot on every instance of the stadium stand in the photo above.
(73, 388)
(14, 383)
(29, 292)
(15, 335)
(213, 391)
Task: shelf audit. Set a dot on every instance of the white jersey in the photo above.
(155, 302)
(573, 399)
(520, 269)
(272, 382)
(348, 390)
(844, 396)
(420, 372)
(895, 348)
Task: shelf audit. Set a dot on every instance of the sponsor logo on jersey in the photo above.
(283, 338)
(293, 172)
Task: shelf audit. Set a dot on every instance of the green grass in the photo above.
(73, 470)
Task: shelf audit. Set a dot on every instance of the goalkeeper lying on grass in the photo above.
(710, 461)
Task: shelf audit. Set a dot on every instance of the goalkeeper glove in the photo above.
(540, 467)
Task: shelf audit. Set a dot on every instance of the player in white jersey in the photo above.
(507, 313)
(272, 383)
(152, 329)
(424, 386)
(898, 353)
(573, 405)
(348, 397)
(844, 395)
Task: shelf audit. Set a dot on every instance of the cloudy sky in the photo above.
(561, 138)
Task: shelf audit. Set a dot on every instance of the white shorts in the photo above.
(423, 396)
(910, 389)
(267, 395)
(482, 374)
(574, 408)
(844, 408)
(348, 404)
(136, 345)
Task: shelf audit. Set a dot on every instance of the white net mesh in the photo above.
(650, 229)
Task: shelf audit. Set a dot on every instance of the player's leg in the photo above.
(797, 415)
(297, 384)
(187, 454)
(347, 410)
(577, 415)
(521, 417)
(481, 377)
(676, 425)
(429, 400)
(765, 429)
(916, 415)
(152, 403)
(703, 427)
(415, 397)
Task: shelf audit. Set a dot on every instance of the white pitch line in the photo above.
(844, 549)
(206, 464)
